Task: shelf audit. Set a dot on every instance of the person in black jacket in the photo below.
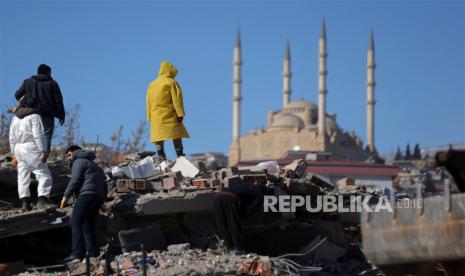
(88, 185)
(232, 206)
(48, 93)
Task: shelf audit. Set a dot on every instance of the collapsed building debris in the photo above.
(421, 232)
(172, 203)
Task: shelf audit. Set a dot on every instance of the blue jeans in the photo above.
(83, 225)
(49, 126)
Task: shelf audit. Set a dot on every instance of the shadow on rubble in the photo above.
(39, 249)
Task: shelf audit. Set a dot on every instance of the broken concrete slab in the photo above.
(178, 248)
(185, 167)
(320, 180)
(296, 169)
(154, 205)
(346, 184)
(14, 223)
(271, 167)
(144, 168)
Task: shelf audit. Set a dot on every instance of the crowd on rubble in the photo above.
(40, 101)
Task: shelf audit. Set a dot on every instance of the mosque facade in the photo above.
(301, 125)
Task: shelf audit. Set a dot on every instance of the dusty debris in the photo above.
(346, 184)
(144, 193)
(296, 169)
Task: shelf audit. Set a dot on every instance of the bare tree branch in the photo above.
(137, 144)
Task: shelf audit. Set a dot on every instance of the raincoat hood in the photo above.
(82, 154)
(167, 69)
(22, 112)
(41, 77)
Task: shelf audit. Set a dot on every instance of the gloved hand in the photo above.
(43, 157)
(63, 203)
(180, 119)
(14, 161)
(61, 120)
(103, 209)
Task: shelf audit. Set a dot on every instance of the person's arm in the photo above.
(38, 133)
(20, 92)
(148, 106)
(176, 97)
(59, 102)
(105, 188)
(77, 178)
(256, 202)
(12, 135)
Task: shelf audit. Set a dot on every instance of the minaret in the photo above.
(287, 76)
(322, 72)
(371, 83)
(235, 151)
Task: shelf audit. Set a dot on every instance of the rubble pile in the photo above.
(143, 190)
(179, 259)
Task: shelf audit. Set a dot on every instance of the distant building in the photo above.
(105, 155)
(373, 176)
(302, 125)
(431, 151)
(212, 160)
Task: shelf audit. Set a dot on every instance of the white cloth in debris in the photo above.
(27, 142)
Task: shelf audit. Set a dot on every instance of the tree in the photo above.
(5, 121)
(117, 140)
(136, 144)
(408, 154)
(398, 155)
(71, 127)
(416, 152)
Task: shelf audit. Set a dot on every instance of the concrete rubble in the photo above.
(167, 207)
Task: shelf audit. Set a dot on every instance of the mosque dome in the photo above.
(286, 121)
(300, 104)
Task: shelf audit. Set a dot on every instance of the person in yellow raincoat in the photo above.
(165, 110)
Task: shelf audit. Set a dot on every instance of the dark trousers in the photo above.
(49, 126)
(82, 223)
(228, 221)
(178, 147)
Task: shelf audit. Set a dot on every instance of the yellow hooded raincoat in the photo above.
(165, 105)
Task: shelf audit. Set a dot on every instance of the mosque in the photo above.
(301, 125)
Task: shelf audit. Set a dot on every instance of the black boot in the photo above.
(180, 153)
(44, 204)
(25, 206)
(161, 155)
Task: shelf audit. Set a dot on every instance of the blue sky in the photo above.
(104, 54)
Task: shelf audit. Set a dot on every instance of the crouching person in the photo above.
(234, 205)
(28, 144)
(88, 185)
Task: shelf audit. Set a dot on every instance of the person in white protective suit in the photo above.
(28, 144)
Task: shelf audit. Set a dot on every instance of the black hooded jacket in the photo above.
(22, 112)
(250, 197)
(47, 92)
(86, 176)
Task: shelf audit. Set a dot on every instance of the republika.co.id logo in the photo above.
(334, 203)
